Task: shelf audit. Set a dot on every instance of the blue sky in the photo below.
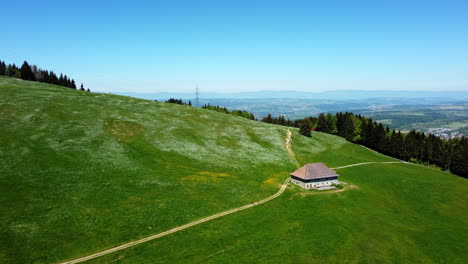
(229, 46)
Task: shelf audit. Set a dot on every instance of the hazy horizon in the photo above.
(335, 95)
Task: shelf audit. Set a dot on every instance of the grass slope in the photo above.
(400, 213)
(82, 172)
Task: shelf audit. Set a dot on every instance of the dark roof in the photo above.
(314, 171)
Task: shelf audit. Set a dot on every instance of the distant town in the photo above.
(445, 133)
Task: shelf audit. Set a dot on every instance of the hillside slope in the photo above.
(82, 172)
(398, 214)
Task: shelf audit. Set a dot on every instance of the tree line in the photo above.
(216, 108)
(177, 101)
(33, 73)
(240, 113)
(450, 155)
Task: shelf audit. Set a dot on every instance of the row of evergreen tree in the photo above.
(281, 120)
(178, 101)
(33, 73)
(305, 125)
(451, 155)
(240, 113)
(216, 108)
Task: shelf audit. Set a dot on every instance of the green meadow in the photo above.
(400, 213)
(82, 172)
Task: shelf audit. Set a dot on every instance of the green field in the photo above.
(418, 218)
(83, 172)
(422, 118)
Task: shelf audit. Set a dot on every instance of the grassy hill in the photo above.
(82, 172)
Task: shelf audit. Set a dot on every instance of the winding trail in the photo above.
(288, 143)
(209, 218)
(289, 149)
(176, 229)
(365, 163)
(203, 220)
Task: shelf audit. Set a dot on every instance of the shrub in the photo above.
(338, 186)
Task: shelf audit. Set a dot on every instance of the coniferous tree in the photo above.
(400, 147)
(364, 132)
(267, 119)
(61, 80)
(372, 135)
(340, 124)
(13, 71)
(2, 68)
(331, 121)
(305, 128)
(410, 142)
(448, 153)
(380, 137)
(348, 127)
(45, 77)
(53, 79)
(322, 124)
(438, 155)
(428, 152)
(420, 139)
(391, 145)
(33, 73)
(26, 72)
(357, 128)
(459, 164)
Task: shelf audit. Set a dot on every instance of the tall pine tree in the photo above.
(2, 68)
(305, 128)
(331, 121)
(322, 124)
(26, 72)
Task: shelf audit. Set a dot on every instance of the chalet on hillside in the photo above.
(314, 176)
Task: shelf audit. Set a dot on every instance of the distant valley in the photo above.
(442, 113)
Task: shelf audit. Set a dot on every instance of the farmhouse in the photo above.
(314, 176)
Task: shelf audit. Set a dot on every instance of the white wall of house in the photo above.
(314, 185)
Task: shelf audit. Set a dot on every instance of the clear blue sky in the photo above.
(153, 46)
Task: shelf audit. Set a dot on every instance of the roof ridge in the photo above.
(316, 170)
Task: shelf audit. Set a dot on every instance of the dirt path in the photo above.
(165, 233)
(206, 219)
(289, 148)
(365, 163)
(288, 143)
(406, 162)
(347, 186)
